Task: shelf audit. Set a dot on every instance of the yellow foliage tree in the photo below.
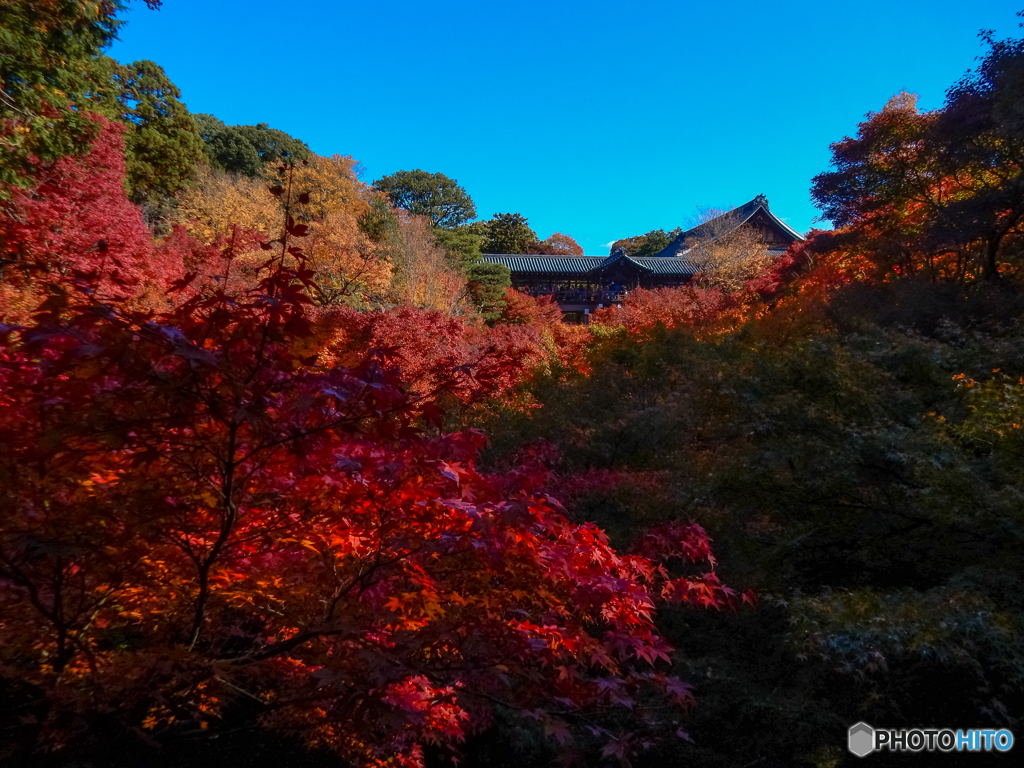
(349, 267)
(326, 194)
(333, 186)
(727, 253)
(423, 278)
(218, 200)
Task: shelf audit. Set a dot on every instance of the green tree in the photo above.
(162, 145)
(462, 245)
(47, 56)
(509, 233)
(650, 244)
(380, 222)
(247, 149)
(487, 283)
(433, 195)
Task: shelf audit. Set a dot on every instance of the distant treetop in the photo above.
(510, 233)
(433, 195)
(650, 244)
(247, 149)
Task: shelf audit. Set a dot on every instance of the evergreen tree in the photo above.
(47, 56)
(162, 145)
(487, 284)
(433, 195)
(509, 233)
(247, 149)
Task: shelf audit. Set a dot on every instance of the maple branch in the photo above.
(228, 516)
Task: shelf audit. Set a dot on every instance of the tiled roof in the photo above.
(667, 266)
(578, 265)
(581, 265)
(558, 264)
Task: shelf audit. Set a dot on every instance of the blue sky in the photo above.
(596, 119)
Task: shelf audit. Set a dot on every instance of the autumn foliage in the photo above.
(230, 503)
(76, 217)
(934, 193)
(245, 486)
(708, 309)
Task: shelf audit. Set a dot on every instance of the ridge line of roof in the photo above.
(762, 202)
(622, 255)
(678, 243)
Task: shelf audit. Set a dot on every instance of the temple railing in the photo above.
(577, 295)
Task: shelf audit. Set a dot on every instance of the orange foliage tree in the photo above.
(938, 193)
(349, 267)
(557, 245)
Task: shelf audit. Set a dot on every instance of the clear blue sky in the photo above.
(601, 120)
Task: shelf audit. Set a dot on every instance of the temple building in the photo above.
(581, 284)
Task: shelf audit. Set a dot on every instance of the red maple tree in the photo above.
(199, 513)
(77, 217)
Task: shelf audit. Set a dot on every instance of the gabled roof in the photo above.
(726, 223)
(669, 261)
(621, 256)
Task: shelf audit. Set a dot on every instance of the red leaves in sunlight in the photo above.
(78, 217)
(199, 513)
(706, 309)
(541, 312)
(436, 352)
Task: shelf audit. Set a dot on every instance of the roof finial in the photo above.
(761, 200)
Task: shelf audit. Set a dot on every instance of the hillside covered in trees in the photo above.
(290, 474)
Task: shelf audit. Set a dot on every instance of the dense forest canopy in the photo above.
(290, 473)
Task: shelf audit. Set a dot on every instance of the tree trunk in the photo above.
(990, 267)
